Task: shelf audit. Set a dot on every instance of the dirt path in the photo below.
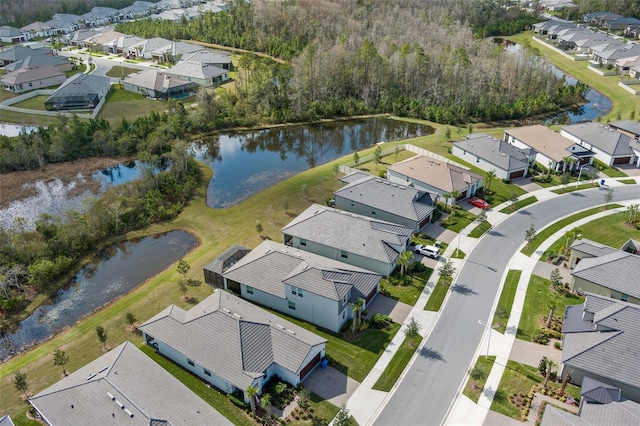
(12, 185)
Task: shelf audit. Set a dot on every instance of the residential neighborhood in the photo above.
(479, 272)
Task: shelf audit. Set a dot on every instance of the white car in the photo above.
(429, 251)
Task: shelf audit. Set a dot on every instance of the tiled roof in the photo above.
(556, 417)
(618, 271)
(573, 322)
(155, 80)
(7, 31)
(494, 151)
(82, 85)
(350, 232)
(38, 61)
(602, 137)
(543, 140)
(276, 264)
(125, 375)
(20, 52)
(596, 391)
(195, 70)
(232, 338)
(383, 195)
(591, 247)
(208, 57)
(623, 413)
(627, 125)
(612, 350)
(445, 176)
(26, 75)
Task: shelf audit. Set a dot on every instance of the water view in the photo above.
(249, 162)
(7, 129)
(109, 275)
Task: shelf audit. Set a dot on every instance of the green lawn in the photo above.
(121, 72)
(628, 181)
(542, 236)
(609, 170)
(37, 103)
(535, 307)
(80, 69)
(399, 361)
(610, 230)
(410, 293)
(572, 188)
(458, 254)
(474, 387)
(437, 297)
(456, 224)
(506, 300)
(122, 103)
(519, 204)
(479, 230)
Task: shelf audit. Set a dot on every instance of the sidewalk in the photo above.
(366, 403)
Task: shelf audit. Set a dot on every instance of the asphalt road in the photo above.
(103, 64)
(431, 384)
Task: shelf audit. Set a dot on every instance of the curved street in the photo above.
(431, 383)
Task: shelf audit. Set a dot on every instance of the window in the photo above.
(292, 305)
(300, 292)
(297, 291)
(477, 159)
(624, 297)
(207, 372)
(303, 242)
(373, 212)
(353, 204)
(344, 254)
(249, 290)
(191, 363)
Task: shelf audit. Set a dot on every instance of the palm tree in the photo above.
(490, 175)
(633, 211)
(356, 307)
(446, 197)
(265, 403)
(403, 260)
(552, 304)
(251, 393)
(551, 366)
(455, 195)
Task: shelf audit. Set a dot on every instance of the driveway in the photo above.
(531, 353)
(330, 384)
(382, 304)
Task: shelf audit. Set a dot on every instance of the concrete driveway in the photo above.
(382, 304)
(331, 385)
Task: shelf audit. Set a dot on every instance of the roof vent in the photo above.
(91, 376)
(103, 370)
(226, 310)
(120, 404)
(280, 327)
(111, 396)
(291, 331)
(129, 413)
(237, 316)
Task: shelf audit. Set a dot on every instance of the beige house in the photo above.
(26, 79)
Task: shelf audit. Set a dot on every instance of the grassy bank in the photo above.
(398, 363)
(508, 294)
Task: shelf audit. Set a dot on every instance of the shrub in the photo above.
(557, 345)
(539, 336)
(417, 267)
(477, 373)
(237, 402)
(380, 321)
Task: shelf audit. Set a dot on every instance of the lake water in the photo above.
(7, 129)
(109, 275)
(248, 162)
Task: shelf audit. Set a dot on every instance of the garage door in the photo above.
(425, 222)
(622, 160)
(515, 175)
(370, 296)
(307, 368)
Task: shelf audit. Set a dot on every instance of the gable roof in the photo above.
(623, 413)
(439, 174)
(195, 70)
(208, 57)
(591, 247)
(353, 233)
(233, 338)
(20, 52)
(156, 80)
(127, 376)
(546, 141)
(82, 85)
(271, 265)
(612, 349)
(38, 61)
(497, 152)
(36, 26)
(26, 75)
(554, 416)
(595, 391)
(8, 31)
(627, 125)
(618, 271)
(380, 194)
(602, 137)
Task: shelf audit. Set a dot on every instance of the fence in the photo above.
(626, 85)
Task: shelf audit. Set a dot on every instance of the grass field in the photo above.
(519, 204)
(479, 230)
(437, 297)
(571, 188)
(473, 388)
(506, 300)
(37, 103)
(535, 306)
(121, 72)
(122, 103)
(410, 293)
(399, 361)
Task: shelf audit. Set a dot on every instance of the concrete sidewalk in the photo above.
(366, 403)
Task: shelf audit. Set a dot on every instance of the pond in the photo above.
(248, 162)
(112, 273)
(7, 129)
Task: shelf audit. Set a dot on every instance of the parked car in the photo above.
(479, 202)
(429, 251)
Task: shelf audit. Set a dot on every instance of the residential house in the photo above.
(620, 23)
(174, 15)
(615, 275)
(104, 41)
(557, 5)
(360, 241)
(628, 127)
(81, 91)
(491, 154)
(202, 74)
(127, 45)
(610, 146)
(163, 50)
(623, 65)
(26, 79)
(38, 29)
(139, 9)
(60, 62)
(305, 285)
(65, 23)
(123, 387)
(631, 246)
(11, 34)
(552, 149)
(596, 18)
(601, 342)
(569, 40)
(610, 55)
(436, 176)
(585, 248)
(80, 38)
(6, 421)
(210, 57)
(158, 85)
(601, 404)
(233, 344)
(380, 199)
(584, 47)
(13, 54)
(99, 16)
(214, 270)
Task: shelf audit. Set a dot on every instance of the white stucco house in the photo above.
(302, 284)
(610, 146)
(233, 344)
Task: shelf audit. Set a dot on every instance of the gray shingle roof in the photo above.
(25, 75)
(350, 232)
(7, 31)
(195, 70)
(383, 195)
(6, 421)
(270, 265)
(627, 125)
(592, 248)
(156, 80)
(599, 392)
(353, 177)
(619, 271)
(602, 137)
(573, 322)
(494, 151)
(612, 350)
(145, 389)
(554, 416)
(623, 413)
(20, 52)
(38, 61)
(232, 338)
(83, 84)
(208, 57)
